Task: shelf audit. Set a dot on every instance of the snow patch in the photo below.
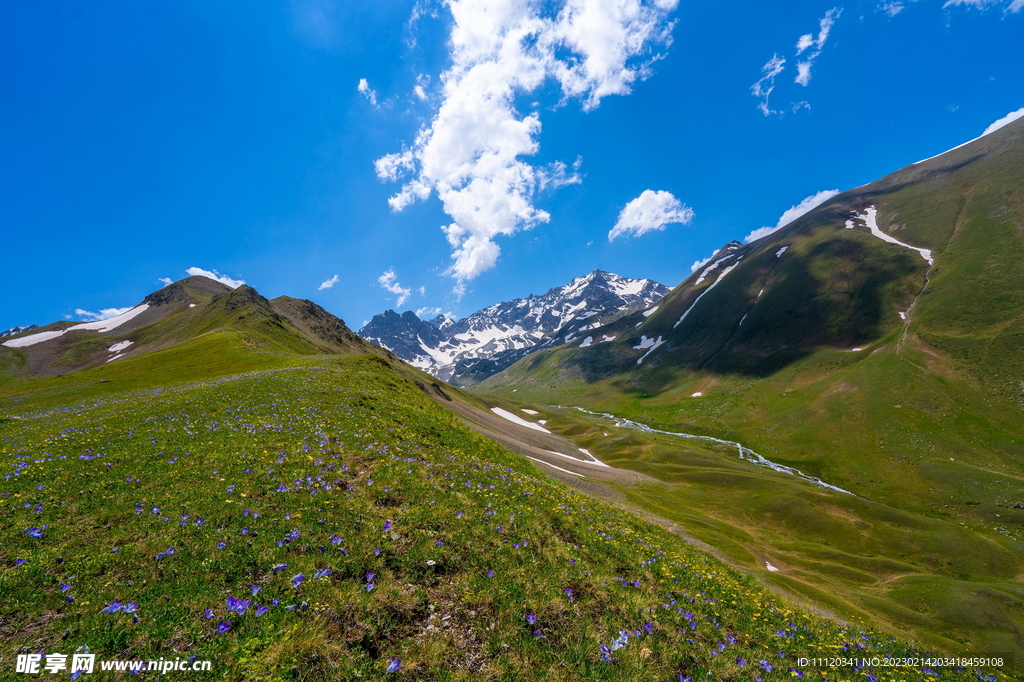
(648, 313)
(587, 342)
(98, 326)
(119, 355)
(711, 267)
(644, 343)
(608, 338)
(870, 219)
(191, 305)
(119, 346)
(591, 460)
(697, 394)
(778, 254)
(554, 467)
(517, 420)
(770, 567)
(529, 411)
(654, 347)
(703, 293)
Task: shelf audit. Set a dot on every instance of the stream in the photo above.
(745, 453)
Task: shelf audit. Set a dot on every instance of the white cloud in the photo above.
(214, 275)
(104, 314)
(389, 281)
(763, 88)
(891, 9)
(423, 291)
(167, 281)
(420, 89)
(1010, 6)
(365, 90)
(1005, 120)
(698, 264)
(792, 213)
(328, 284)
(650, 211)
(422, 313)
(806, 42)
(472, 153)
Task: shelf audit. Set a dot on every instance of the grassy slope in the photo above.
(925, 421)
(301, 462)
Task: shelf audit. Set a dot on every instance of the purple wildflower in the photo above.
(322, 573)
(131, 607)
(65, 587)
(114, 607)
(239, 606)
(297, 579)
(255, 589)
(387, 526)
(279, 567)
(260, 610)
(223, 626)
(208, 613)
(531, 618)
(394, 665)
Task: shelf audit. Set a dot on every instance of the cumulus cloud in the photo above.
(792, 213)
(214, 275)
(1009, 6)
(389, 281)
(328, 284)
(650, 211)
(697, 264)
(763, 88)
(167, 281)
(367, 92)
(423, 313)
(472, 152)
(1005, 120)
(808, 41)
(104, 314)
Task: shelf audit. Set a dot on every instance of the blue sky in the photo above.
(139, 140)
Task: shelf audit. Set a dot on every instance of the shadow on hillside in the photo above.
(840, 294)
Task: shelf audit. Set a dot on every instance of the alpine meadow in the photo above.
(549, 449)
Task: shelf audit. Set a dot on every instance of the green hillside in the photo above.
(327, 517)
(856, 361)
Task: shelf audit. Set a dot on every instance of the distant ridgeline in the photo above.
(471, 349)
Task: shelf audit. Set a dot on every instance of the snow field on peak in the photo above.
(98, 326)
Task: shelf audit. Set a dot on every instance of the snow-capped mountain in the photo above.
(17, 330)
(493, 338)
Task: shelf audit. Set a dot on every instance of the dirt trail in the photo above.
(539, 447)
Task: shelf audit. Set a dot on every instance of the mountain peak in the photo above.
(505, 332)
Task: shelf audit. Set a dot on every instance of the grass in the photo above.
(434, 546)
